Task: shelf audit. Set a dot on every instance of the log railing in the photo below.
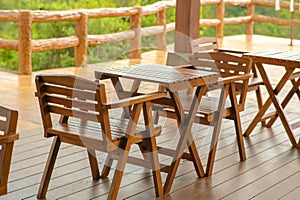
(25, 45)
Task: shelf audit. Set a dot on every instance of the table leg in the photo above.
(122, 94)
(298, 91)
(273, 97)
(268, 102)
(258, 117)
(185, 124)
(295, 89)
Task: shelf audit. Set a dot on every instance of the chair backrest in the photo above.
(226, 65)
(8, 127)
(70, 96)
(210, 44)
(204, 44)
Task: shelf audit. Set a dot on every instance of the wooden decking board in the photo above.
(271, 171)
(281, 187)
(233, 172)
(293, 193)
(185, 179)
(266, 181)
(89, 177)
(234, 181)
(60, 192)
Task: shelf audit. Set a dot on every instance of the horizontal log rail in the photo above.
(25, 45)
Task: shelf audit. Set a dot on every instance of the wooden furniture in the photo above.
(174, 80)
(290, 61)
(234, 73)
(208, 44)
(8, 127)
(85, 120)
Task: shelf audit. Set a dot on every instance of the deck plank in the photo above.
(271, 170)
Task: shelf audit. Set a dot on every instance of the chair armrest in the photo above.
(231, 79)
(4, 139)
(135, 99)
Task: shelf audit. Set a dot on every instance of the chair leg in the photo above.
(6, 152)
(237, 122)
(239, 137)
(150, 152)
(49, 168)
(93, 164)
(116, 182)
(107, 166)
(216, 132)
(259, 102)
(152, 155)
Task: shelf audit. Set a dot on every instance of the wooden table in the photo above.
(290, 61)
(174, 80)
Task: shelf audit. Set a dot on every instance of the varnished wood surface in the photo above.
(289, 61)
(271, 170)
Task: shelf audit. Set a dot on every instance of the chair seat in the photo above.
(255, 81)
(206, 110)
(90, 133)
(252, 85)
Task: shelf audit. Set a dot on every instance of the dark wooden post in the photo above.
(187, 23)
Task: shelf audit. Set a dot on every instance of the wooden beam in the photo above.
(187, 23)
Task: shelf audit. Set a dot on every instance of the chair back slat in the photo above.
(70, 96)
(73, 113)
(204, 44)
(69, 81)
(72, 103)
(8, 120)
(88, 95)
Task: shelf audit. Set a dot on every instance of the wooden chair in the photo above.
(75, 111)
(234, 70)
(210, 44)
(8, 127)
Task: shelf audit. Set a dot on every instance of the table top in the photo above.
(277, 57)
(171, 77)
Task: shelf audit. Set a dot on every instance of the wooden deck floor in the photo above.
(271, 171)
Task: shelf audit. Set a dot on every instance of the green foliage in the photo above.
(107, 52)
(65, 57)
(8, 59)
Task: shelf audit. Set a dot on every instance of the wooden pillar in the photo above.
(136, 42)
(81, 48)
(25, 44)
(187, 23)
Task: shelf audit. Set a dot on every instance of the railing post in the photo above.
(25, 44)
(161, 42)
(250, 12)
(81, 48)
(136, 42)
(220, 10)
